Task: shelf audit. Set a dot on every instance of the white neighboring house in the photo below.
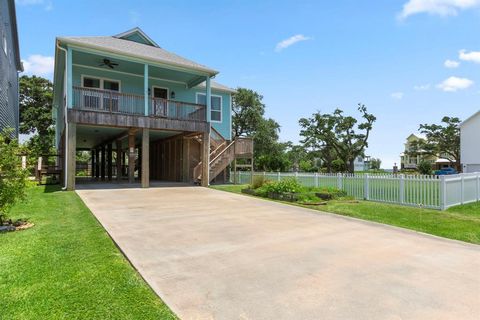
(361, 163)
(470, 143)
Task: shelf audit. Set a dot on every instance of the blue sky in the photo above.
(302, 56)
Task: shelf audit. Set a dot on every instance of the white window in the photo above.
(216, 104)
(103, 95)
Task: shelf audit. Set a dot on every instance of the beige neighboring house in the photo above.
(409, 161)
(470, 144)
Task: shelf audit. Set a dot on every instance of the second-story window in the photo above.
(106, 98)
(216, 104)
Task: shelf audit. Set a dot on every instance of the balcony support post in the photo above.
(72, 155)
(145, 88)
(118, 161)
(145, 158)
(208, 98)
(131, 155)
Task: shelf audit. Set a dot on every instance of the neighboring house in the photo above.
(361, 163)
(10, 66)
(470, 143)
(141, 111)
(410, 161)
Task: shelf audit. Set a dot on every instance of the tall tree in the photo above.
(441, 140)
(338, 133)
(247, 112)
(248, 120)
(36, 103)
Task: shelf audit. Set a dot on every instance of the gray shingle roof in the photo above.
(217, 86)
(136, 49)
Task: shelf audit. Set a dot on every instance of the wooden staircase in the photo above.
(222, 153)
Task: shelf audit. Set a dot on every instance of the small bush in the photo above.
(425, 167)
(258, 181)
(287, 185)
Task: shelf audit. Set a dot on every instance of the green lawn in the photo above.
(460, 223)
(67, 267)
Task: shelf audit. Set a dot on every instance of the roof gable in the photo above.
(136, 35)
(476, 114)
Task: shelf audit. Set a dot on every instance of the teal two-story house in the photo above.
(141, 111)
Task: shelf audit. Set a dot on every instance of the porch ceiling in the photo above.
(93, 61)
(90, 136)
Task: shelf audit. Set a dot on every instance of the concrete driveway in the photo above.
(216, 255)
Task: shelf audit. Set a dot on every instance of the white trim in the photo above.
(158, 87)
(102, 79)
(221, 105)
(128, 73)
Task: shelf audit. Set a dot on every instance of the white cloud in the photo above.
(47, 4)
(472, 56)
(397, 95)
(290, 41)
(436, 7)
(422, 87)
(453, 84)
(39, 65)
(451, 64)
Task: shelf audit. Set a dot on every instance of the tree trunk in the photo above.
(351, 165)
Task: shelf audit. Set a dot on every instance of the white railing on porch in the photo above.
(92, 99)
(429, 191)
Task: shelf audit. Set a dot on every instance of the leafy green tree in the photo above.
(338, 165)
(337, 134)
(441, 140)
(375, 163)
(13, 179)
(248, 120)
(425, 167)
(247, 112)
(36, 103)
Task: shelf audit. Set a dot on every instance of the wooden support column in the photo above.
(102, 163)
(118, 162)
(109, 161)
(92, 155)
(186, 160)
(71, 153)
(145, 158)
(97, 163)
(131, 156)
(205, 159)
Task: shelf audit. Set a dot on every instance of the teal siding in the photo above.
(134, 84)
(137, 38)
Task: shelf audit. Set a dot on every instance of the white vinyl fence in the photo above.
(436, 192)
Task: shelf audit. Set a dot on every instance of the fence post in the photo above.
(478, 187)
(402, 188)
(316, 180)
(296, 175)
(443, 193)
(366, 192)
(462, 189)
(278, 175)
(339, 181)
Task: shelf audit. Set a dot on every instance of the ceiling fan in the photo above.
(108, 63)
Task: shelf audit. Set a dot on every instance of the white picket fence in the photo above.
(436, 192)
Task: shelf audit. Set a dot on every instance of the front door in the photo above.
(160, 103)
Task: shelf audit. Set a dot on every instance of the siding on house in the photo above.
(9, 66)
(469, 144)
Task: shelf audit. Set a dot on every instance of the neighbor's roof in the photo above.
(470, 118)
(134, 49)
(217, 86)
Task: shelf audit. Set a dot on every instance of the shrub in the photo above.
(13, 179)
(258, 181)
(287, 185)
(425, 167)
